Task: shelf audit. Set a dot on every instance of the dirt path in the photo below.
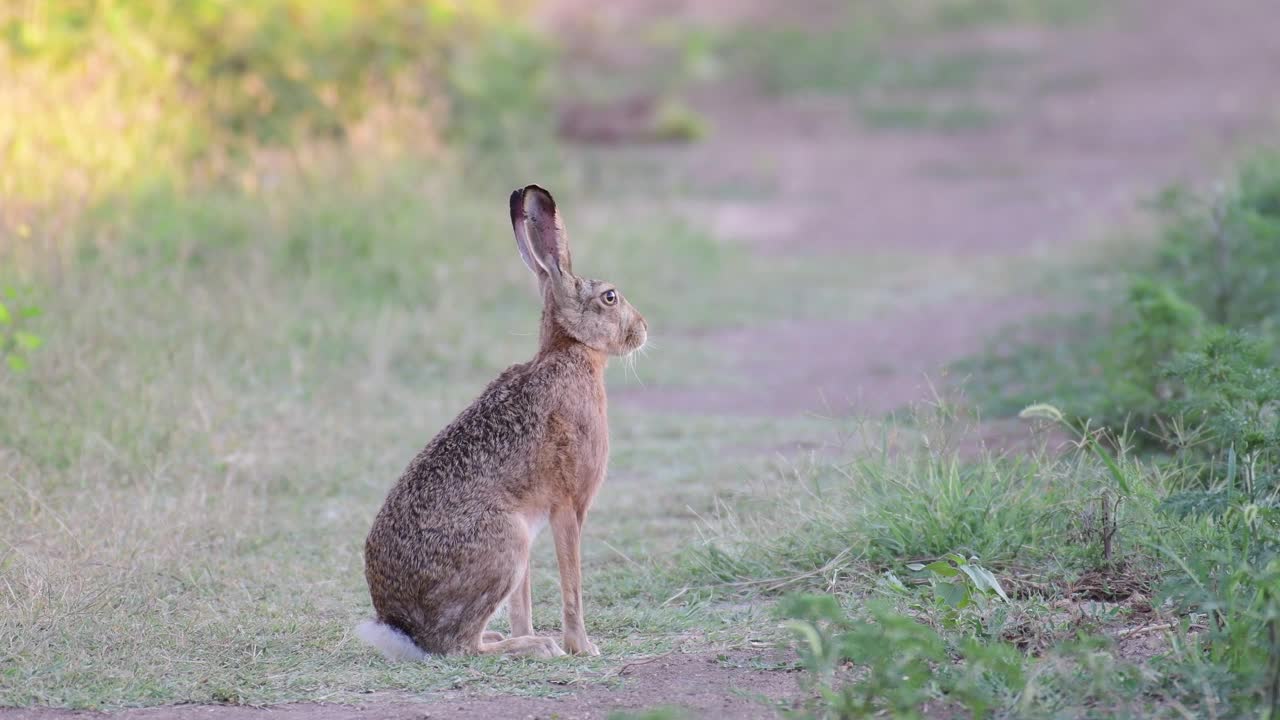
(1103, 115)
(710, 685)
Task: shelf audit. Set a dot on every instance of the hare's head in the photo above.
(593, 312)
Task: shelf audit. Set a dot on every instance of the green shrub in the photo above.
(879, 662)
(17, 341)
(1223, 253)
(119, 93)
(1216, 268)
(1157, 324)
(896, 654)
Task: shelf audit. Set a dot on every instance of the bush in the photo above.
(119, 92)
(1223, 254)
(1217, 268)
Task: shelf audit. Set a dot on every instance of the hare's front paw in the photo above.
(578, 644)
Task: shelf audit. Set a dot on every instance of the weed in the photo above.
(17, 341)
(959, 583)
(895, 655)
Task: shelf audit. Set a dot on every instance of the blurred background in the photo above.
(254, 254)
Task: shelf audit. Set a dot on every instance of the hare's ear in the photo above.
(519, 224)
(540, 235)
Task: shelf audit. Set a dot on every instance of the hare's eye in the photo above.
(609, 297)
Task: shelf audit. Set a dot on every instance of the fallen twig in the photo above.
(623, 670)
(1134, 632)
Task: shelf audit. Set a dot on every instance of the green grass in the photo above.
(883, 508)
(907, 67)
(849, 62)
(852, 528)
(967, 13)
(860, 50)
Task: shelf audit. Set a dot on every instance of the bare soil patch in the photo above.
(709, 685)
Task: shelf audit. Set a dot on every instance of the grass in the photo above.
(895, 85)
(230, 382)
(860, 53)
(234, 380)
(917, 496)
(1064, 643)
(983, 12)
(233, 374)
(191, 463)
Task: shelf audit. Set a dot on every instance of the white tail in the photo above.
(393, 644)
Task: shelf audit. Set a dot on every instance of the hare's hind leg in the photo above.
(492, 643)
(506, 567)
(519, 609)
(520, 604)
(531, 645)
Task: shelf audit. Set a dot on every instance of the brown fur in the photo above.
(452, 540)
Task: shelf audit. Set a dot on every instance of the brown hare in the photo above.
(451, 542)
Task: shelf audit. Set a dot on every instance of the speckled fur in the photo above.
(452, 540)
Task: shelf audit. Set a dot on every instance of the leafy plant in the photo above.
(1190, 363)
(1233, 393)
(1158, 325)
(1231, 578)
(959, 582)
(1217, 268)
(892, 659)
(891, 664)
(1223, 252)
(127, 94)
(17, 342)
(1116, 486)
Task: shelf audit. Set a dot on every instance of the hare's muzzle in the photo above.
(637, 334)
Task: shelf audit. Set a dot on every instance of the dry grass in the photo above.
(230, 383)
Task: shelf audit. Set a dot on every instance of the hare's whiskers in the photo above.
(630, 362)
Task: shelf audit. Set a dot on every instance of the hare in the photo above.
(452, 540)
